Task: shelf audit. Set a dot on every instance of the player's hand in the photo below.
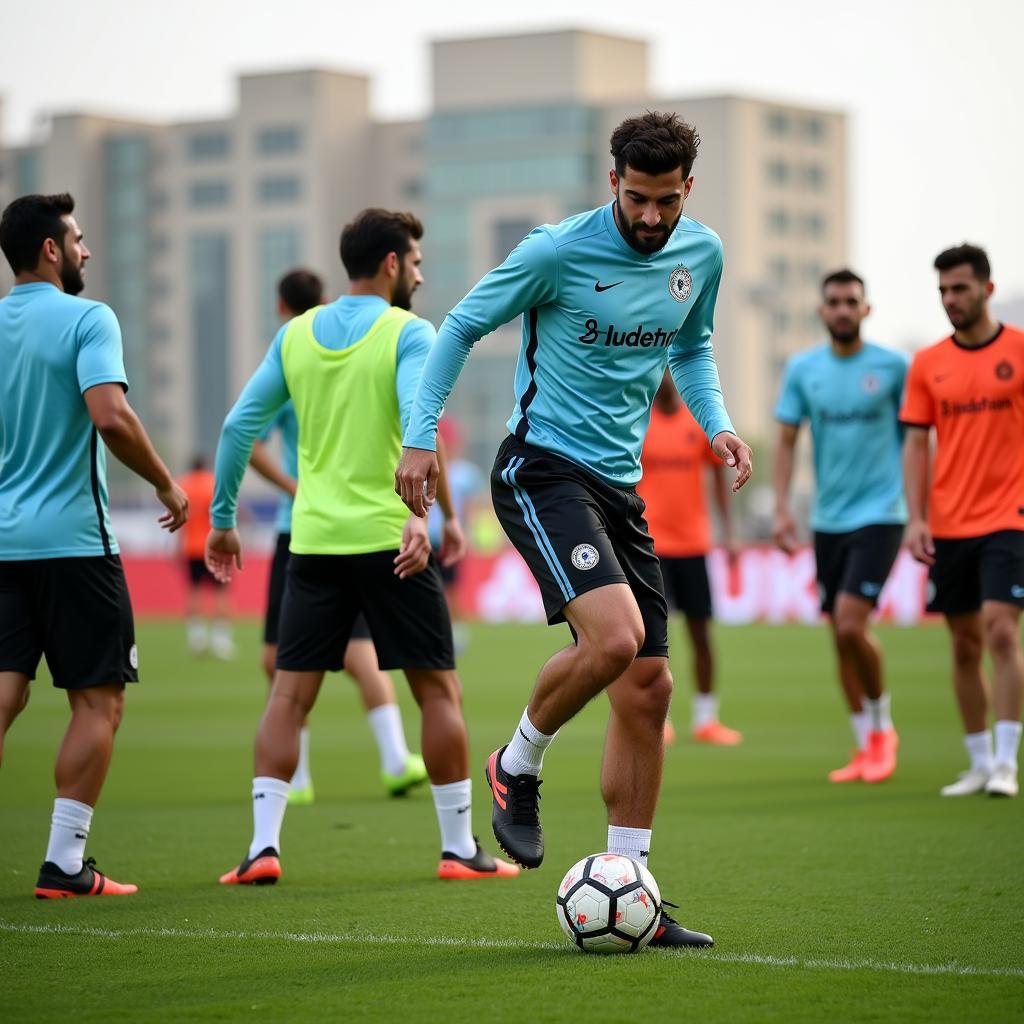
(223, 552)
(919, 540)
(175, 500)
(414, 554)
(734, 452)
(784, 531)
(416, 468)
(453, 543)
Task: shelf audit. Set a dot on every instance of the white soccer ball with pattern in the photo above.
(608, 903)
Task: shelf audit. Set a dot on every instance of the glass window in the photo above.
(280, 250)
(273, 140)
(412, 188)
(280, 189)
(776, 122)
(778, 221)
(209, 309)
(814, 177)
(777, 172)
(507, 234)
(209, 145)
(26, 172)
(814, 129)
(814, 225)
(209, 193)
(778, 269)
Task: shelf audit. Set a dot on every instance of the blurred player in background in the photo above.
(351, 369)
(62, 588)
(297, 292)
(203, 635)
(608, 298)
(465, 483)
(850, 391)
(968, 525)
(676, 460)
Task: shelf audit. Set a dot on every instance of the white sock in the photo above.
(979, 746)
(879, 713)
(525, 753)
(196, 631)
(69, 829)
(1007, 742)
(386, 722)
(705, 709)
(630, 842)
(302, 778)
(269, 802)
(860, 722)
(453, 803)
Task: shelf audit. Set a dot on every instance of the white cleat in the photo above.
(1003, 781)
(972, 781)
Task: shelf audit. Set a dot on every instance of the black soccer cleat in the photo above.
(515, 813)
(263, 869)
(670, 934)
(480, 865)
(55, 884)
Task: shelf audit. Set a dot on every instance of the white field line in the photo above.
(329, 938)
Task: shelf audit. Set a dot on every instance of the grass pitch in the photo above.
(826, 902)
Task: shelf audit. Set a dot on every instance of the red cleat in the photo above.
(880, 760)
(54, 884)
(263, 869)
(718, 734)
(480, 865)
(852, 772)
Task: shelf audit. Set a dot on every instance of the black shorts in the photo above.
(275, 594)
(687, 587)
(325, 594)
(76, 612)
(857, 562)
(578, 533)
(970, 570)
(198, 574)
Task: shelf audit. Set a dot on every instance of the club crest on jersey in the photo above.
(585, 556)
(870, 384)
(1004, 370)
(680, 284)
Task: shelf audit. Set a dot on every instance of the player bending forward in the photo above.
(608, 298)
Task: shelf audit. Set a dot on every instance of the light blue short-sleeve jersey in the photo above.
(286, 423)
(600, 323)
(53, 466)
(852, 404)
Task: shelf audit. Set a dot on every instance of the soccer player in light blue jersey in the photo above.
(609, 298)
(62, 587)
(298, 291)
(850, 391)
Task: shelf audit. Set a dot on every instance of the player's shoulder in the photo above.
(577, 229)
(937, 351)
(884, 356)
(696, 230)
(808, 358)
(1013, 334)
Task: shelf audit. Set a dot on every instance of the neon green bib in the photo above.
(350, 438)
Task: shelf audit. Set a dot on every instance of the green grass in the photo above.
(854, 892)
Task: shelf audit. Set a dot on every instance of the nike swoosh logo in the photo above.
(604, 287)
(462, 810)
(942, 377)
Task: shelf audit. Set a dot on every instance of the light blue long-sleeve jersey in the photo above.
(853, 406)
(287, 423)
(600, 323)
(336, 326)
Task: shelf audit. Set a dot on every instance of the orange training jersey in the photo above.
(675, 458)
(198, 485)
(975, 400)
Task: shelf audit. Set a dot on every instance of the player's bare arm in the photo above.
(264, 464)
(125, 436)
(784, 528)
(736, 454)
(916, 455)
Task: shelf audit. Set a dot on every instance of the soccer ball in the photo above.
(608, 903)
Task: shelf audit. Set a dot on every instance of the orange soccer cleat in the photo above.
(880, 760)
(852, 772)
(263, 869)
(54, 884)
(480, 865)
(718, 734)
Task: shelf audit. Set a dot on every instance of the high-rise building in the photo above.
(191, 224)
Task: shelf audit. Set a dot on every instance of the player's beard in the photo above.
(72, 279)
(847, 337)
(966, 320)
(646, 245)
(402, 295)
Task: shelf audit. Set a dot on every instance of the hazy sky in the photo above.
(933, 88)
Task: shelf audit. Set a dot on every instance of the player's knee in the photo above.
(1002, 636)
(618, 647)
(849, 631)
(440, 685)
(967, 648)
(650, 695)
